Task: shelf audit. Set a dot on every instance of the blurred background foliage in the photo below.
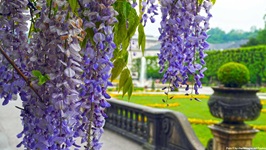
(253, 57)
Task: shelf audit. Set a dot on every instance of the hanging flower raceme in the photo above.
(100, 18)
(13, 41)
(49, 119)
(183, 41)
(151, 6)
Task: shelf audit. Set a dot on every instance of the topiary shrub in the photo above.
(233, 74)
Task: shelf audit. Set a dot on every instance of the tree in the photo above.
(260, 39)
(217, 35)
(61, 70)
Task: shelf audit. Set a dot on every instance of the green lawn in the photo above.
(199, 110)
(263, 89)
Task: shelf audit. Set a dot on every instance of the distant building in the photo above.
(153, 46)
(151, 41)
(135, 52)
(228, 45)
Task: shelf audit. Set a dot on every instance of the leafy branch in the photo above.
(128, 22)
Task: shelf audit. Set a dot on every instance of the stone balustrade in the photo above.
(155, 129)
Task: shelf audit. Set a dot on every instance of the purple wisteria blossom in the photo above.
(97, 65)
(149, 10)
(71, 46)
(49, 121)
(183, 41)
(14, 42)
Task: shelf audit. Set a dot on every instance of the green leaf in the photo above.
(41, 78)
(36, 73)
(141, 38)
(120, 33)
(200, 2)
(119, 65)
(129, 92)
(46, 77)
(125, 44)
(213, 1)
(48, 3)
(123, 78)
(73, 4)
(115, 54)
(125, 56)
(120, 27)
(127, 86)
(133, 22)
(128, 21)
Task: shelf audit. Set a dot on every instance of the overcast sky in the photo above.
(229, 14)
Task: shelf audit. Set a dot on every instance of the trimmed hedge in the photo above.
(254, 58)
(233, 74)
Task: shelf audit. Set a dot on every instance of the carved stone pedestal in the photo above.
(228, 136)
(234, 106)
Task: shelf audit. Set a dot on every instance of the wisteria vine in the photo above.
(61, 69)
(97, 54)
(50, 123)
(183, 37)
(14, 40)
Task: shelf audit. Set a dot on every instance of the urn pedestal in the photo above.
(234, 106)
(229, 137)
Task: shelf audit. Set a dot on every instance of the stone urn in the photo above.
(234, 105)
(231, 102)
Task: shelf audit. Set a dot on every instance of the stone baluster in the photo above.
(129, 120)
(124, 118)
(119, 117)
(114, 115)
(135, 123)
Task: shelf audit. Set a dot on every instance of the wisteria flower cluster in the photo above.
(183, 37)
(61, 69)
(152, 10)
(96, 63)
(70, 104)
(49, 119)
(14, 40)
